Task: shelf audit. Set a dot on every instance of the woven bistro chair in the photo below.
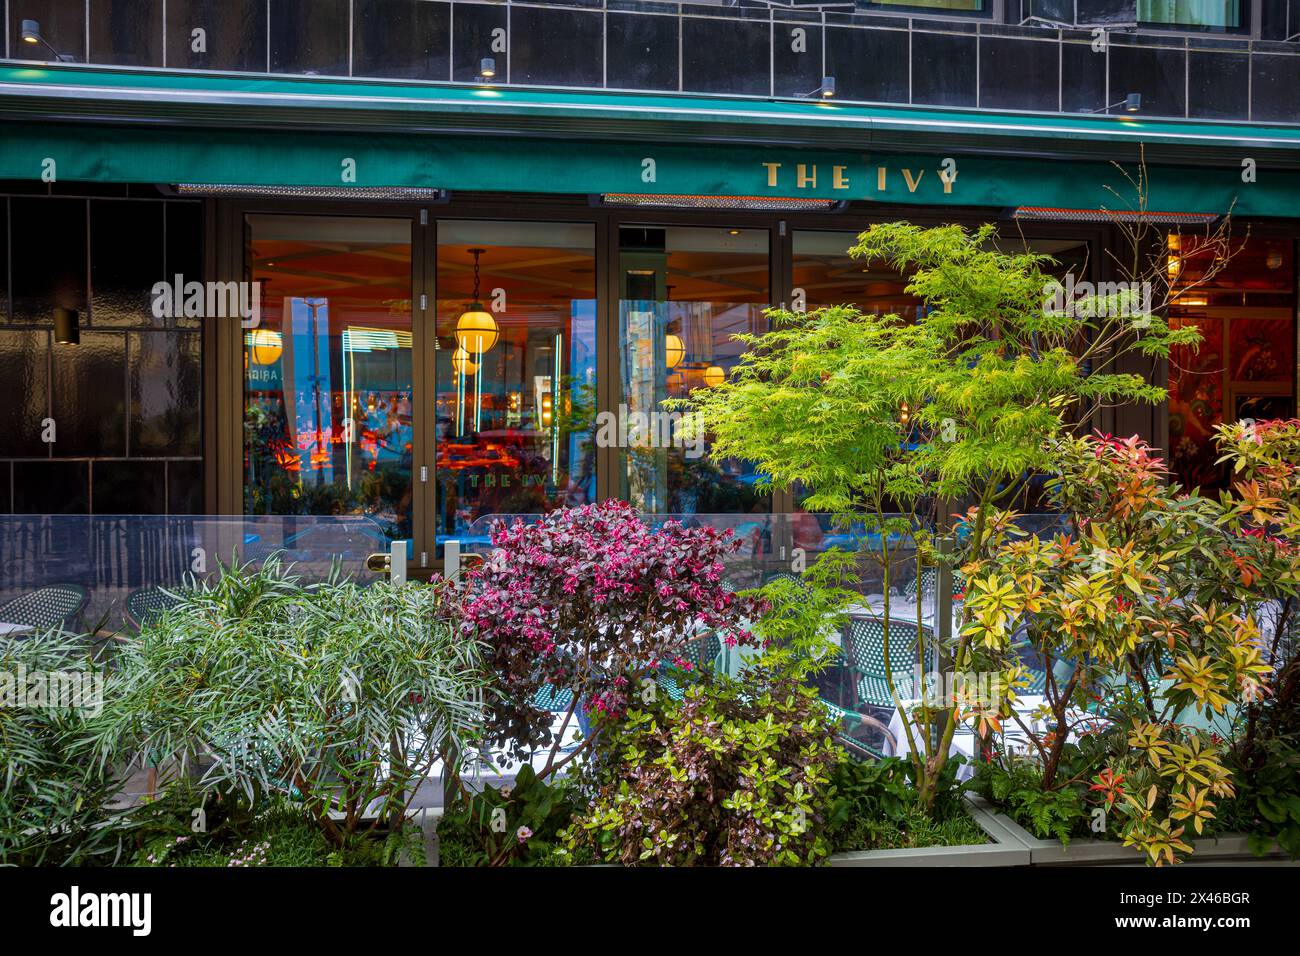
(930, 581)
(864, 653)
(701, 653)
(55, 606)
(146, 604)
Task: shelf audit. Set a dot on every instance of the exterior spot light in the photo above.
(31, 33)
(826, 91)
(487, 67)
(1132, 103)
(66, 329)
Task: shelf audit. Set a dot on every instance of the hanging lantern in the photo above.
(476, 330)
(462, 364)
(265, 346)
(714, 376)
(674, 350)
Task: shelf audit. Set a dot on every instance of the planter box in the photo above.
(1005, 848)
(1227, 850)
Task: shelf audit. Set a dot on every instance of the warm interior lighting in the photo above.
(674, 350)
(714, 376)
(265, 346)
(904, 413)
(476, 330)
(461, 363)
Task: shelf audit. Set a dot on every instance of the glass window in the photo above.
(1245, 364)
(685, 293)
(943, 6)
(328, 415)
(516, 389)
(825, 274)
(1197, 14)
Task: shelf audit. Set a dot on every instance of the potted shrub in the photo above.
(338, 697)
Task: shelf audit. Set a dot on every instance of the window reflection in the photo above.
(328, 397)
(516, 370)
(685, 294)
(1244, 366)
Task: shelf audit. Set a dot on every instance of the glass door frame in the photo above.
(223, 355)
(224, 350)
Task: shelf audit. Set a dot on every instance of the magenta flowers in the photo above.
(582, 604)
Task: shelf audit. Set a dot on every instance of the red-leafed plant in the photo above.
(582, 606)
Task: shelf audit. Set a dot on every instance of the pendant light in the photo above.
(476, 330)
(462, 363)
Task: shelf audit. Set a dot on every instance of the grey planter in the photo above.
(1005, 848)
(1227, 850)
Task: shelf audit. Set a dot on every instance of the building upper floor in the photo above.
(1233, 60)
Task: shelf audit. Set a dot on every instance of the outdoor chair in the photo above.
(854, 730)
(864, 652)
(146, 604)
(55, 606)
(699, 653)
(930, 581)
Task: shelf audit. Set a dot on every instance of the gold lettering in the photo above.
(880, 178)
(804, 179)
(771, 172)
(947, 183)
(839, 181)
(912, 183)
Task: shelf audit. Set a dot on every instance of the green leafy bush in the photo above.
(518, 824)
(1017, 786)
(736, 774)
(875, 806)
(54, 793)
(188, 827)
(341, 695)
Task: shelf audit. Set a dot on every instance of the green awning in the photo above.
(119, 126)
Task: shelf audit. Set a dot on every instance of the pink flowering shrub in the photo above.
(589, 600)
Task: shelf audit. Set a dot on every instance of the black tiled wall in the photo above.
(126, 401)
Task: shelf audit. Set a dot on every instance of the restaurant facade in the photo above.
(321, 275)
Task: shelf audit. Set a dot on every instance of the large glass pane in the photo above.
(516, 370)
(685, 293)
(328, 394)
(1245, 365)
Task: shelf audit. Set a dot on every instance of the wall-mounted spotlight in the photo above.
(487, 67)
(31, 32)
(826, 91)
(66, 329)
(1132, 103)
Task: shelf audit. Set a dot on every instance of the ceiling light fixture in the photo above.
(476, 330)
